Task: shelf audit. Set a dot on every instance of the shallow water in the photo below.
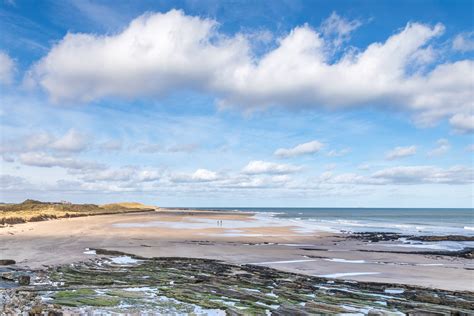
(425, 221)
(311, 221)
(5, 284)
(346, 274)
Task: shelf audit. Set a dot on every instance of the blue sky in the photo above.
(238, 103)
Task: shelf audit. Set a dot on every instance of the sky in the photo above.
(238, 103)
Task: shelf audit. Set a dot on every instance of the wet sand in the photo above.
(242, 239)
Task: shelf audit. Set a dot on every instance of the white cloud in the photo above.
(425, 174)
(470, 148)
(265, 167)
(463, 122)
(402, 175)
(464, 42)
(254, 181)
(400, 152)
(301, 149)
(442, 148)
(155, 54)
(40, 159)
(339, 153)
(40, 140)
(329, 177)
(204, 175)
(200, 175)
(72, 141)
(148, 175)
(338, 29)
(152, 148)
(7, 68)
(9, 182)
(123, 174)
(160, 53)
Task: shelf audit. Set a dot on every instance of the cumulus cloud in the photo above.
(329, 177)
(243, 182)
(7, 68)
(425, 174)
(266, 167)
(155, 54)
(72, 141)
(400, 152)
(123, 174)
(401, 175)
(301, 149)
(464, 42)
(163, 52)
(40, 159)
(200, 175)
(463, 122)
(442, 148)
(204, 175)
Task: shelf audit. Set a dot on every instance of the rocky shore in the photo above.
(387, 236)
(116, 282)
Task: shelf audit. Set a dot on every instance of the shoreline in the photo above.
(287, 248)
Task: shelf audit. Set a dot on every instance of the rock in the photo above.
(55, 313)
(6, 262)
(211, 284)
(375, 236)
(375, 312)
(420, 312)
(24, 280)
(7, 276)
(36, 310)
(289, 310)
(443, 238)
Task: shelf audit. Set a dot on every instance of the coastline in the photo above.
(119, 283)
(244, 238)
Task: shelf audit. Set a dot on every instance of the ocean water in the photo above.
(415, 221)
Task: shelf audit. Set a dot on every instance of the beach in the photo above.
(237, 238)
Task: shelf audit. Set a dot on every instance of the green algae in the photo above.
(82, 297)
(74, 293)
(181, 284)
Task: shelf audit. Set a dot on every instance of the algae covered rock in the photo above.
(202, 286)
(6, 262)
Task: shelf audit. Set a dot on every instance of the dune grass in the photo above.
(33, 211)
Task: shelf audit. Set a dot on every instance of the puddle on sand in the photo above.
(346, 274)
(124, 260)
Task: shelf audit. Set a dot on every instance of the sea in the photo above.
(410, 221)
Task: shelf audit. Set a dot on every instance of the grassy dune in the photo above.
(33, 211)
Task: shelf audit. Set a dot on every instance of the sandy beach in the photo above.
(242, 238)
